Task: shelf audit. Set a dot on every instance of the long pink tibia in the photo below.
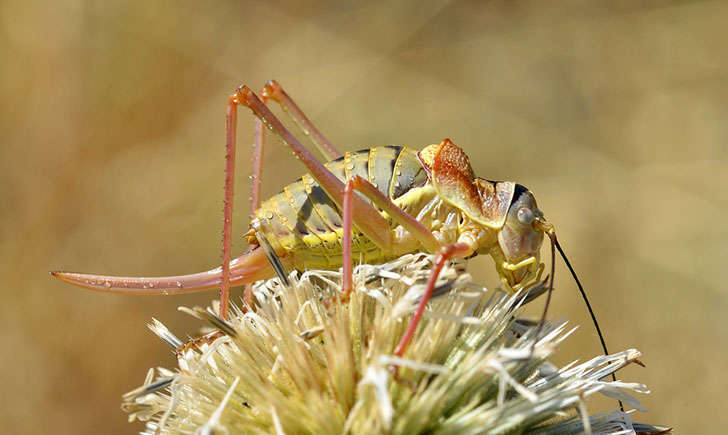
(249, 267)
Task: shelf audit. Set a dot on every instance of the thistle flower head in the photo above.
(304, 362)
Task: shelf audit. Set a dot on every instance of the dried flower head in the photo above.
(303, 362)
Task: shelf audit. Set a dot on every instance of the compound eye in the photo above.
(525, 216)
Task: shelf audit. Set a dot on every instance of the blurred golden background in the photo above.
(612, 112)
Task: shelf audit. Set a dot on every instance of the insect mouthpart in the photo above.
(522, 274)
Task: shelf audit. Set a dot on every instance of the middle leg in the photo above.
(419, 231)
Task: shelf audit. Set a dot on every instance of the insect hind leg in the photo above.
(231, 117)
(255, 181)
(368, 220)
(274, 91)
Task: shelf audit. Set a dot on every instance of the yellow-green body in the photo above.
(304, 225)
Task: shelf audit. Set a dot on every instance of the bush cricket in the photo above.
(375, 204)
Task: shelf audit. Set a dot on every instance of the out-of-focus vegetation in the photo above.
(111, 160)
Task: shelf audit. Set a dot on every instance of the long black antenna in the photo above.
(548, 297)
(583, 295)
(555, 241)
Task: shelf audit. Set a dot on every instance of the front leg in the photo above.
(446, 253)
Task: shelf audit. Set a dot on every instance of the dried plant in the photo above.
(303, 362)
